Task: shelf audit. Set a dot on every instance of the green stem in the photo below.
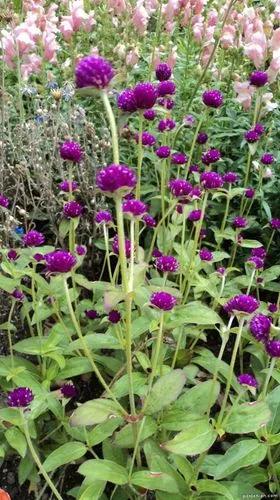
(268, 377)
(121, 240)
(193, 144)
(171, 208)
(177, 347)
(273, 470)
(270, 240)
(251, 281)
(113, 127)
(9, 332)
(131, 271)
(139, 156)
(155, 359)
(106, 241)
(223, 225)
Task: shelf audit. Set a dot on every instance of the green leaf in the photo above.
(120, 387)
(104, 430)
(210, 486)
(92, 491)
(177, 419)
(193, 312)
(125, 438)
(104, 470)
(64, 227)
(166, 390)
(209, 362)
(74, 367)
(25, 469)
(250, 244)
(273, 401)
(16, 440)
(241, 454)
(7, 284)
(192, 441)
(96, 341)
(94, 412)
(198, 397)
(65, 454)
(248, 417)
(155, 481)
(10, 415)
(270, 274)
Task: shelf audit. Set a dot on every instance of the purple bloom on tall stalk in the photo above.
(213, 98)
(273, 308)
(239, 222)
(93, 71)
(247, 379)
(163, 300)
(71, 151)
(118, 179)
(230, 177)
(150, 114)
(252, 136)
(179, 158)
(273, 348)
(211, 180)
(116, 249)
(145, 95)
(18, 295)
(166, 87)
(12, 254)
(114, 316)
(103, 217)
(163, 151)
(81, 250)
(167, 264)
(166, 125)
(267, 159)
(126, 101)
(163, 72)
(275, 223)
(21, 397)
(258, 252)
(65, 186)
(255, 261)
(69, 390)
(180, 187)
(147, 139)
(166, 102)
(258, 78)
(259, 128)
(60, 261)
(72, 209)
(193, 168)
(259, 327)
(211, 156)
(4, 202)
(134, 208)
(249, 193)
(241, 304)
(195, 215)
(156, 253)
(33, 238)
(205, 254)
(149, 220)
(91, 314)
(202, 138)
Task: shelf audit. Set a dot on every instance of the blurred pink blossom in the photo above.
(140, 17)
(78, 19)
(244, 92)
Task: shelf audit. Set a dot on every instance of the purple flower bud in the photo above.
(126, 101)
(163, 300)
(252, 136)
(247, 379)
(230, 177)
(273, 348)
(273, 308)
(21, 397)
(193, 168)
(255, 261)
(166, 102)
(4, 202)
(267, 159)
(71, 151)
(81, 250)
(163, 151)
(163, 72)
(221, 271)
(150, 114)
(167, 264)
(258, 78)
(156, 253)
(114, 316)
(72, 209)
(259, 128)
(211, 156)
(241, 303)
(115, 246)
(69, 390)
(203, 233)
(195, 215)
(166, 125)
(258, 252)
(259, 327)
(134, 208)
(116, 178)
(205, 254)
(249, 193)
(195, 193)
(93, 71)
(18, 295)
(103, 217)
(60, 261)
(202, 138)
(33, 239)
(180, 187)
(38, 257)
(166, 87)
(12, 254)
(179, 158)
(147, 139)
(275, 223)
(211, 180)
(145, 95)
(149, 220)
(91, 314)
(213, 98)
(189, 121)
(65, 186)
(239, 222)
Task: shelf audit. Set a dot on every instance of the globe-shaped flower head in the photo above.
(180, 188)
(166, 88)
(179, 158)
(249, 193)
(72, 209)
(116, 248)
(66, 185)
(273, 348)
(163, 301)
(211, 156)
(275, 223)
(252, 136)
(166, 125)
(116, 179)
(202, 138)
(167, 264)
(205, 255)
(163, 152)
(71, 151)
(147, 139)
(93, 71)
(241, 304)
(134, 208)
(33, 238)
(163, 72)
(259, 327)
(21, 397)
(126, 101)
(69, 390)
(145, 95)
(213, 98)
(103, 217)
(247, 380)
(239, 222)
(267, 159)
(230, 177)
(60, 261)
(150, 114)
(195, 215)
(258, 78)
(149, 220)
(4, 202)
(211, 180)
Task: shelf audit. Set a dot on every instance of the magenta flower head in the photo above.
(252, 136)
(213, 98)
(249, 193)
(258, 252)
(69, 390)
(147, 139)
(211, 156)
(21, 397)
(93, 71)
(273, 348)
(116, 249)
(267, 159)
(247, 380)
(221, 271)
(258, 78)
(211, 180)
(145, 95)
(166, 102)
(241, 304)
(39, 257)
(60, 261)
(103, 217)
(259, 128)
(126, 101)
(116, 179)
(230, 177)
(134, 208)
(259, 327)
(273, 308)
(33, 238)
(202, 138)
(179, 158)
(66, 185)
(18, 295)
(4, 202)
(205, 254)
(193, 168)
(163, 152)
(12, 254)
(163, 301)
(166, 125)
(163, 72)
(81, 250)
(166, 87)
(114, 316)
(167, 264)
(91, 314)
(71, 151)
(72, 209)
(195, 215)
(150, 114)
(256, 262)
(180, 188)
(239, 222)
(275, 223)
(149, 220)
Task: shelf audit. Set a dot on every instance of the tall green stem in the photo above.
(155, 359)
(121, 241)
(193, 144)
(113, 127)
(106, 241)
(268, 377)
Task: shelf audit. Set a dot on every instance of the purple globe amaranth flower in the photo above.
(258, 78)
(166, 125)
(149, 220)
(21, 397)
(69, 390)
(259, 128)
(196, 193)
(230, 177)
(114, 316)
(39, 257)
(241, 304)
(211, 180)
(93, 71)
(273, 348)
(145, 95)
(179, 158)
(156, 253)
(273, 308)
(91, 314)
(166, 102)
(221, 270)
(249, 193)
(189, 121)
(33, 238)
(81, 250)
(247, 379)
(116, 179)
(18, 295)
(167, 264)
(259, 327)
(255, 261)
(211, 156)
(267, 159)
(66, 185)
(60, 261)
(12, 254)
(4, 202)
(126, 101)
(205, 254)
(134, 208)
(103, 217)
(275, 223)
(163, 300)
(239, 222)
(202, 138)
(213, 98)
(72, 209)
(150, 114)
(166, 87)
(252, 136)
(163, 151)
(195, 215)
(71, 151)
(258, 252)
(193, 168)
(163, 72)
(147, 139)
(180, 187)
(116, 249)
